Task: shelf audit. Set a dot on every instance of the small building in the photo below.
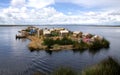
(32, 30)
(96, 37)
(86, 40)
(59, 29)
(87, 35)
(40, 32)
(64, 32)
(77, 34)
(46, 32)
(52, 29)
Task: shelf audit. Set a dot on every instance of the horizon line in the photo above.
(61, 25)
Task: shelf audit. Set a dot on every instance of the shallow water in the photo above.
(16, 59)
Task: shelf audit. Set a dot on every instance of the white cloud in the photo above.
(41, 13)
(85, 3)
(94, 3)
(39, 3)
(18, 3)
(31, 3)
(48, 15)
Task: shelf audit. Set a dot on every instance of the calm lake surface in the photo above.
(17, 59)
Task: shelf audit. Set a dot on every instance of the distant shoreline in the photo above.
(62, 25)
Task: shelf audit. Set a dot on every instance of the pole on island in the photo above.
(38, 32)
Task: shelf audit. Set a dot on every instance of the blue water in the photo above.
(17, 59)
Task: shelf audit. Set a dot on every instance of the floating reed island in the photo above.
(62, 39)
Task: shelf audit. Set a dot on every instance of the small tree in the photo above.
(49, 42)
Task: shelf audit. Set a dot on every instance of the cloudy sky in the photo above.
(100, 12)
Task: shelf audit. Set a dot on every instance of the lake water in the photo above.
(17, 59)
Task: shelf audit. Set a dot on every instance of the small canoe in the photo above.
(20, 36)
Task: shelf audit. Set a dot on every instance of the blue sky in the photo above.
(73, 8)
(101, 12)
(4, 3)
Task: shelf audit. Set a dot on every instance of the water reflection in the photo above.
(49, 52)
(93, 52)
(22, 39)
(80, 51)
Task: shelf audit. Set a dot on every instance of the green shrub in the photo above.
(105, 43)
(64, 41)
(64, 71)
(106, 67)
(96, 45)
(49, 42)
(80, 46)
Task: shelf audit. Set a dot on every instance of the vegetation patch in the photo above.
(64, 41)
(64, 71)
(98, 44)
(106, 67)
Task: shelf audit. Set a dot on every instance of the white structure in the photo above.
(52, 29)
(46, 32)
(64, 32)
(59, 29)
(97, 37)
(38, 31)
(76, 32)
(86, 34)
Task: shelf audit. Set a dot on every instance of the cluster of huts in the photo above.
(57, 31)
(47, 32)
(86, 37)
